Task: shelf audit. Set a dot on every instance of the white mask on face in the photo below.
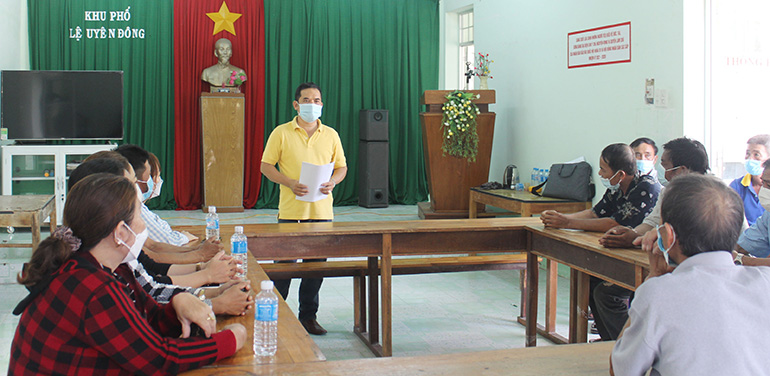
(156, 191)
(764, 198)
(644, 166)
(310, 112)
(606, 182)
(136, 248)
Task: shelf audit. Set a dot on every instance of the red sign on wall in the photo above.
(599, 46)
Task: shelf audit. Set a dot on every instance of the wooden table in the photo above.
(576, 360)
(521, 202)
(383, 240)
(528, 204)
(27, 211)
(582, 253)
(294, 344)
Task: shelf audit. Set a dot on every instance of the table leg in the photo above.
(36, 229)
(578, 303)
(52, 216)
(472, 210)
(532, 276)
(374, 314)
(552, 270)
(523, 291)
(387, 341)
(359, 303)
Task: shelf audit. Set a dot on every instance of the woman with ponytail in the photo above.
(86, 314)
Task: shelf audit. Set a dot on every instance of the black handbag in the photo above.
(571, 181)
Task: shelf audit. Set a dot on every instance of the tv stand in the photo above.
(43, 169)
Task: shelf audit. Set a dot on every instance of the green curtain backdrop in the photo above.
(364, 54)
(146, 60)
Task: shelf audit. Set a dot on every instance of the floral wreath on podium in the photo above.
(459, 123)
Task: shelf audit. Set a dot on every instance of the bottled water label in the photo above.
(267, 312)
(212, 224)
(239, 247)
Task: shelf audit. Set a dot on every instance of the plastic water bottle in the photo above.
(266, 321)
(238, 249)
(547, 172)
(212, 224)
(534, 177)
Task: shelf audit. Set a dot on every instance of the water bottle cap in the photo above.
(212, 209)
(238, 229)
(266, 284)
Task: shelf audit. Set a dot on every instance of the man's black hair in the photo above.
(689, 153)
(620, 157)
(645, 140)
(306, 85)
(136, 156)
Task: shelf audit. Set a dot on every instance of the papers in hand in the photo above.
(313, 176)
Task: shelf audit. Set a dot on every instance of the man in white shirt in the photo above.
(705, 315)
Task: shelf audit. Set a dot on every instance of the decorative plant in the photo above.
(236, 79)
(459, 124)
(482, 65)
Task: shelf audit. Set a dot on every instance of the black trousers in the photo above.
(609, 304)
(308, 288)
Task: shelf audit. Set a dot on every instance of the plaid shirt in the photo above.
(91, 321)
(160, 231)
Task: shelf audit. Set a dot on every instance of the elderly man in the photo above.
(703, 316)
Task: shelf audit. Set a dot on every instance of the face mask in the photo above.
(150, 186)
(156, 191)
(753, 167)
(660, 243)
(136, 248)
(662, 179)
(644, 166)
(310, 112)
(764, 198)
(606, 182)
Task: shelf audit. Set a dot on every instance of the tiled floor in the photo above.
(432, 313)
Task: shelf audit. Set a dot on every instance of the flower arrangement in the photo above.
(236, 79)
(482, 65)
(459, 124)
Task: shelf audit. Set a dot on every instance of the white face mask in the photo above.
(764, 198)
(136, 248)
(660, 245)
(310, 112)
(644, 166)
(156, 191)
(606, 182)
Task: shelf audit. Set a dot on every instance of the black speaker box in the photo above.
(373, 174)
(373, 125)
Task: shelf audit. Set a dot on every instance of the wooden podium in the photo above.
(222, 118)
(450, 178)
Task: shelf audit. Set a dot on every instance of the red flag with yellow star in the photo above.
(197, 25)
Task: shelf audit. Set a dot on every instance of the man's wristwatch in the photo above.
(738, 260)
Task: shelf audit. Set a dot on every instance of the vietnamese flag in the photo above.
(193, 52)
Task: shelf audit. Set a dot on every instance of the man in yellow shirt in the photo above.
(304, 139)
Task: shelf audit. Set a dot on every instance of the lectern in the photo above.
(450, 178)
(222, 139)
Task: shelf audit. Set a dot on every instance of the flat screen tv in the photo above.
(56, 105)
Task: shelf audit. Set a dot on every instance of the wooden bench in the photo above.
(360, 269)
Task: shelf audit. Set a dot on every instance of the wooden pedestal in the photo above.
(222, 117)
(450, 178)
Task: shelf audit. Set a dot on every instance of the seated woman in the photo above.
(628, 199)
(86, 314)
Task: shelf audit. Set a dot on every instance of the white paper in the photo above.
(313, 176)
(577, 160)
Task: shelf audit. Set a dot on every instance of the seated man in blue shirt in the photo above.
(628, 199)
(757, 152)
(756, 239)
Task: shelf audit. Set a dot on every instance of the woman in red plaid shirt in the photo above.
(86, 314)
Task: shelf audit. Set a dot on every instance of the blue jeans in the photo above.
(308, 288)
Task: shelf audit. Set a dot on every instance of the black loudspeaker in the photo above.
(373, 174)
(373, 125)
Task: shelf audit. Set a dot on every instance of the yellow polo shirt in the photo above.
(289, 146)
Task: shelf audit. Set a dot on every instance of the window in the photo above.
(466, 48)
(738, 74)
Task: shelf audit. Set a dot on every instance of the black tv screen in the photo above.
(55, 105)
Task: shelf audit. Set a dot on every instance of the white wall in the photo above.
(14, 40)
(547, 113)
